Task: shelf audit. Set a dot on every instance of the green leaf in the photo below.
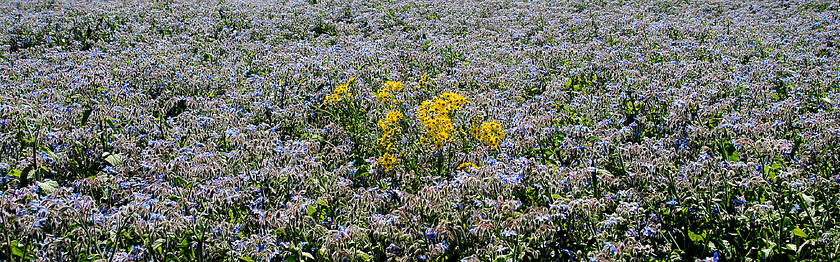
(768, 251)
(158, 244)
(798, 232)
(28, 172)
(15, 173)
(808, 199)
(86, 115)
(180, 181)
(733, 156)
(113, 159)
(321, 202)
(310, 210)
(696, 237)
(307, 255)
(15, 246)
(110, 123)
(48, 186)
(246, 259)
(363, 256)
(49, 152)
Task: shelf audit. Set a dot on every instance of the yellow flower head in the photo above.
(387, 161)
(389, 127)
(490, 133)
(393, 116)
(424, 80)
(467, 165)
(390, 87)
(455, 101)
(434, 115)
(339, 93)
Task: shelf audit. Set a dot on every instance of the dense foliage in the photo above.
(182, 130)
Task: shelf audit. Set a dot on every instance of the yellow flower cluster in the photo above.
(385, 92)
(339, 93)
(467, 165)
(387, 161)
(389, 127)
(424, 81)
(434, 115)
(490, 133)
(391, 118)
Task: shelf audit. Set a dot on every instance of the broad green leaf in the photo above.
(768, 251)
(113, 159)
(16, 248)
(307, 255)
(696, 237)
(86, 116)
(310, 210)
(808, 199)
(321, 202)
(246, 259)
(363, 256)
(733, 157)
(157, 245)
(48, 186)
(798, 232)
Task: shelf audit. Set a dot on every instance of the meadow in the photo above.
(492, 130)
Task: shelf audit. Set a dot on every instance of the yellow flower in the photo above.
(434, 115)
(466, 165)
(393, 116)
(339, 93)
(490, 133)
(389, 128)
(424, 80)
(390, 86)
(455, 101)
(387, 161)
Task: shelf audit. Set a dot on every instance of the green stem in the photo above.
(8, 242)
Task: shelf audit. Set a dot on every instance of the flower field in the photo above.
(498, 130)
